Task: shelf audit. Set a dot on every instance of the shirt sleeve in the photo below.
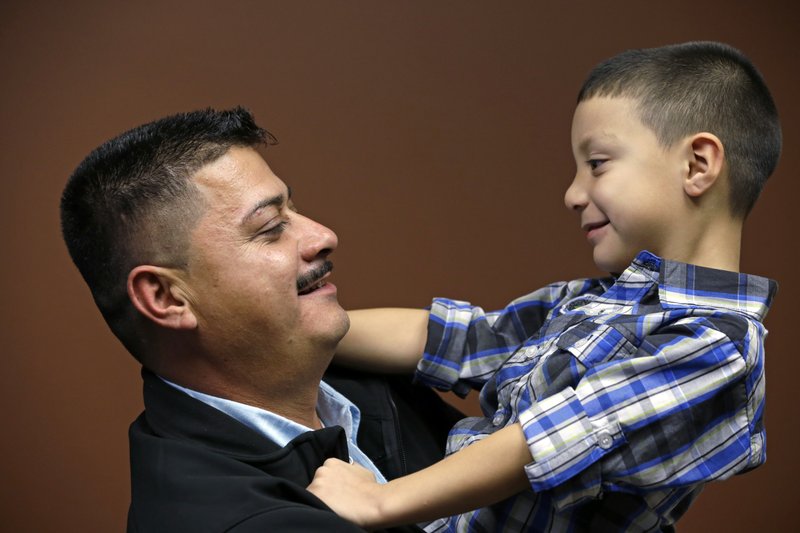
(466, 345)
(683, 409)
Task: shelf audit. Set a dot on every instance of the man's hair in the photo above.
(700, 86)
(132, 201)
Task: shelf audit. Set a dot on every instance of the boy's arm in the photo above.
(485, 472)
(683, 409)
(384, 340)
(466, 345)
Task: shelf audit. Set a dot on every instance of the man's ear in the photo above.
(157, 294)
(707, 161)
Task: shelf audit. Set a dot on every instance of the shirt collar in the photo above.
(682, 284)
(333, 409)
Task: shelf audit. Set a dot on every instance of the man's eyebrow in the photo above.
(274, 201)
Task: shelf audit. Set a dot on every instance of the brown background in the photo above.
(432, 136)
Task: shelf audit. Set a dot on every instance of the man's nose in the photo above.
(316, 240)
(576, 198)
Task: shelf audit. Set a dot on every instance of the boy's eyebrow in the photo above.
(274, 201)
(584, 144)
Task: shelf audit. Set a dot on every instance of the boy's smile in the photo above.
(594, 230)
(628, 188)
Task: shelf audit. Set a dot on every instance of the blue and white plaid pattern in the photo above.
(632, 392)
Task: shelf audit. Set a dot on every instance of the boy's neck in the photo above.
(719, 257)
(719, 246)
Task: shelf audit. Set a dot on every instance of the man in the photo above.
(205, 271)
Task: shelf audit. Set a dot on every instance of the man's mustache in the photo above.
(313, 276)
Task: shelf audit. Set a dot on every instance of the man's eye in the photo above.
(275, 230)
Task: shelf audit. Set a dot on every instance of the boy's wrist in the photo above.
(384, 511)
(401, 502)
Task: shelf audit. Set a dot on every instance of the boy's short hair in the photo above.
(687, 88)
(131, 201)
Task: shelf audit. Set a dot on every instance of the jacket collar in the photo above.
(173, 414)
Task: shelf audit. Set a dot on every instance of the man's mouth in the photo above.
(314, 279)
(312, 288)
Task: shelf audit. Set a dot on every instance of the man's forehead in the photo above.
(239, 169)
(230, 166)
(238, 182)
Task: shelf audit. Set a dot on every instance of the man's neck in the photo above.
(297, 402)
(293, 396)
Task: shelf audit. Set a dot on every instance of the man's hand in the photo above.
(350, 490)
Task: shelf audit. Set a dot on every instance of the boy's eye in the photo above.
(594, 164)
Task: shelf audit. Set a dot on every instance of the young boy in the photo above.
(607, 403)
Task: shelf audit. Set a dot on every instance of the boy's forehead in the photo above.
(603, 117)
(608, 107)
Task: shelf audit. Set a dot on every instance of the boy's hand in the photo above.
(350, 490)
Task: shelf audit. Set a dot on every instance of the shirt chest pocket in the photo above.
(593, 344)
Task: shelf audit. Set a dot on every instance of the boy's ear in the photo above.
(157, 293)
(707, 161)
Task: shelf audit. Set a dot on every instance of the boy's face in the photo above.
(628, 188)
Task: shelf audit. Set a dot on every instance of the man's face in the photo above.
(628, 188)
(247, 255)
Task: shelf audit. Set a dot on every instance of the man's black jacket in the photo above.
(195, 469)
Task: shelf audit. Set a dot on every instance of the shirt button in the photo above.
(756, 448)
(574, 304)
(499, 418)
(530, 352)
(604, 440)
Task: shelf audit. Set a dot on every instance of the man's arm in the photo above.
(388, 340)
(448, 487)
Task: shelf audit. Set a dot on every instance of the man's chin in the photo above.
(332, 328)
(343, 327)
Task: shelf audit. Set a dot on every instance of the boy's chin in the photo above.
(613, 265)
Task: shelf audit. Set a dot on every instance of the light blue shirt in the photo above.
(333, 409)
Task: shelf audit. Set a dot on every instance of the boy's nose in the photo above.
(575, 198)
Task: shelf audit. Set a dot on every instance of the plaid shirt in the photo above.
(632, 392)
